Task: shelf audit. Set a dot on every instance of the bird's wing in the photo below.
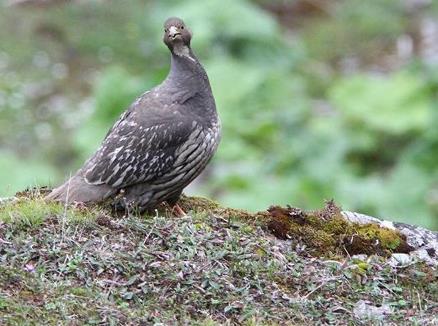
(135, 151)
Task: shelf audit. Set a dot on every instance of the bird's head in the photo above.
(177, 36)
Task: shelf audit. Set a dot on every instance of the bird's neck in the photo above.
(187, 72)
(188, 84)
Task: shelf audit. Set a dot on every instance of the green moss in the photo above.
(388, 238)
(319, 239)
(205, 205)
(197, 204)
(337, 225)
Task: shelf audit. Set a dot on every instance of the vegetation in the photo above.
(87, 265)
(318, 100)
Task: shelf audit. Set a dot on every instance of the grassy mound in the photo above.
(87, 265)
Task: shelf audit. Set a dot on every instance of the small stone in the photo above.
(400, 260)
(365, 311)
(361, 257)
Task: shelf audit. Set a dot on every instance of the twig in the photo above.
(4, 241)
(324, 283)
(150, 232)
(64, 216)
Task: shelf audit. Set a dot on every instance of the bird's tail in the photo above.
(75, 189)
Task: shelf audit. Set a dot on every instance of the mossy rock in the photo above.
(326, 232)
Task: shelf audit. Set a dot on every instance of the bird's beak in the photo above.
(173, 31)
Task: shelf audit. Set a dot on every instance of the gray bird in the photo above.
(160, 143)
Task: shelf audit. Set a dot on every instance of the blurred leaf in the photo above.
(396, 104)
(234, 19)
(116, 89)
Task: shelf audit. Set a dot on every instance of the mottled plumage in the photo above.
(160, 143)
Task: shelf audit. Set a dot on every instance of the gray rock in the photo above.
(424, 241)
(366, 312)
(399, 260)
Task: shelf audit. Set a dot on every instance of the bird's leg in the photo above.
(178, 211)
(173, 203)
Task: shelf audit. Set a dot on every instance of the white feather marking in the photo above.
(183, 51)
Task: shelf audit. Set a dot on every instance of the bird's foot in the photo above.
(178, 211)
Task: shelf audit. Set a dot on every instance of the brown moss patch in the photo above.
(197, 204)
(201, 204)
(32, 193)
(326, 232)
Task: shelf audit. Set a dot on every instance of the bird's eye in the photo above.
(165, 30)
(182, 27)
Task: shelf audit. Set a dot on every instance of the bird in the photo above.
(160, 144)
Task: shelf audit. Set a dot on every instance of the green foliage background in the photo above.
(317, 101)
